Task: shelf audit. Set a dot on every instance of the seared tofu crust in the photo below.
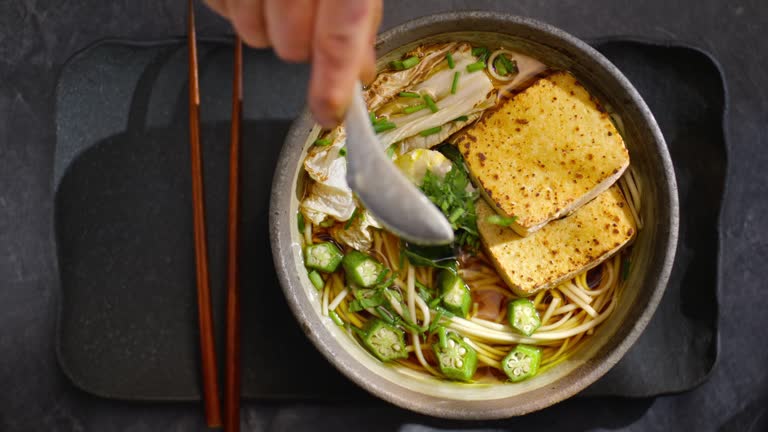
(544, 153)
(563, 248)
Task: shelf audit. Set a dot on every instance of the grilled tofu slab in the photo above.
(563, 248)
(544, 153)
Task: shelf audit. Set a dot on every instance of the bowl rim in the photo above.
(281, 222)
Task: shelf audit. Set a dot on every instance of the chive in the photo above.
(352, 218)
(391, 151)
(461, 118)
(455, 83)
(384, 127)
(413, 109)
(410, 62)
(372, 116)
(431, 103)
(511, 65)
(501, 220)
(478, 51)
(322, 142)
(413, 95)
(456, 214)
(474, 67)
(449, 57)
(397, 65)
(498, 64)
(431, 131)
(625, 265)
(343, 151)
(300, 220)
(335, 318)
(316, 279)
(380, 120)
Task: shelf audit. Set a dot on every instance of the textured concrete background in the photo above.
(36, 37)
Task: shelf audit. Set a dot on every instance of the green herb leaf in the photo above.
(442, 257)
(355, 215)
(450, 193)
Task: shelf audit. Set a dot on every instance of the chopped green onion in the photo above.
(384, 127)
(431, 103)
(481, 53)
(372, 116)
(405, 64)
(455, 83)
(343, 151)
(449, 57)
(413, 95)
(328, 222)
(335, 318)
(316, 279)
(498, 64)
(510, 65)
(474, 67)
(625, 265)
(410, 62)
(431, 131)
(300, 220)
(391, 151)
(380, 120)
(322, 142)
(456, 214)
(501, 220)
(355, 215)
(461, 118)
(413, 109)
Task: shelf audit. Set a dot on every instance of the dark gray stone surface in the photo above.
(36, 37)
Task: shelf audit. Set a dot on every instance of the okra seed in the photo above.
(459, 363)
(462, 350)
(451, 343)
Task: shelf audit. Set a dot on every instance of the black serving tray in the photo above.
(127, 327)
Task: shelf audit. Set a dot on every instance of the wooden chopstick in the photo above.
(205, 317)
(232, 370)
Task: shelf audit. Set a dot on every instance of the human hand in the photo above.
(337, 36)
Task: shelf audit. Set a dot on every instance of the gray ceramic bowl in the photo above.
(652, 257)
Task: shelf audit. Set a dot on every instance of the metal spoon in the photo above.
(392, 199)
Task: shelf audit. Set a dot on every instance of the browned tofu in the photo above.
(544, 153)
(563, 248)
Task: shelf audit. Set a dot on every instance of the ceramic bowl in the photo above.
(652, 255)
